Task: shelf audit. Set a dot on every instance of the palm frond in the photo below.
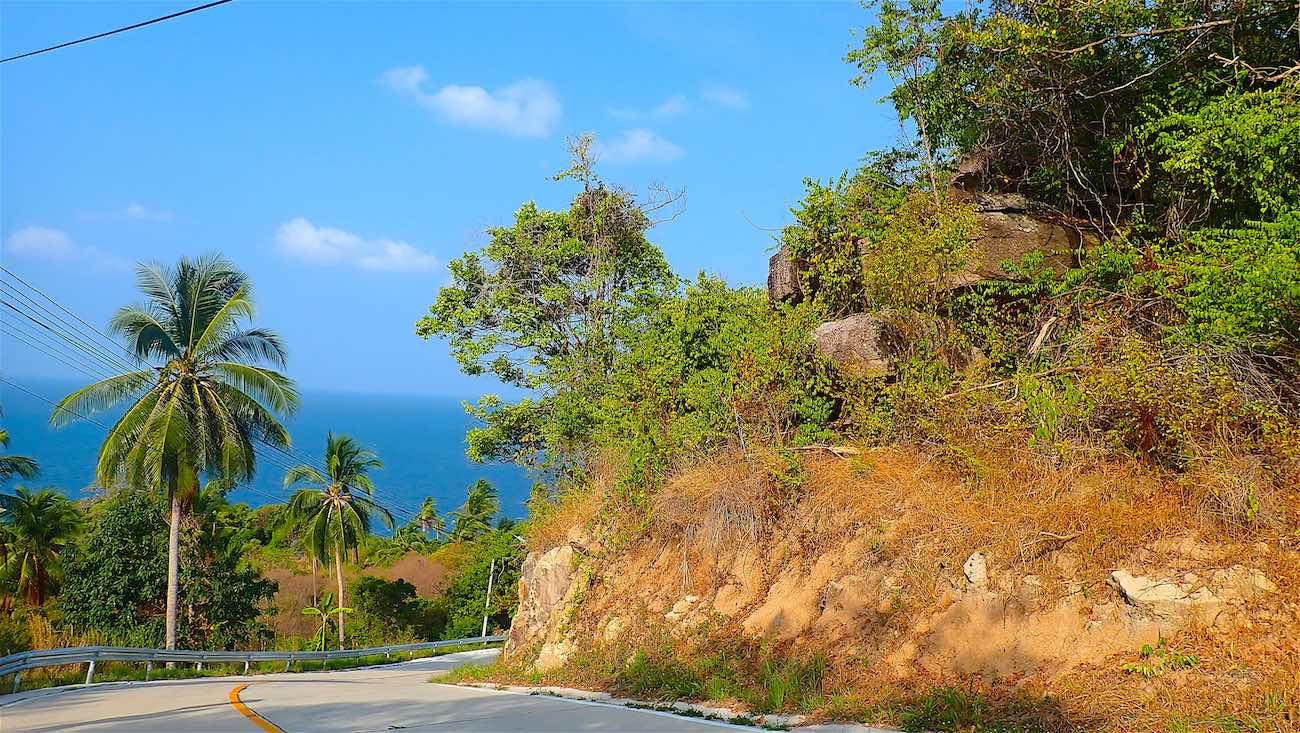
(251, 345)
(253, 420)
(269, 387)
(146, 335)
(100, 396)
(223, 322)
(304, 474)
(155, 282)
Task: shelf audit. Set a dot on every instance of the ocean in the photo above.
(420, 439)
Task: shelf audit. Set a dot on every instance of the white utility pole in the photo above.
(487, 601)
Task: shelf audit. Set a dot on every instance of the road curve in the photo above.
(388, 698)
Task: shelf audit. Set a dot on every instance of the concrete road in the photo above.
(388, 698)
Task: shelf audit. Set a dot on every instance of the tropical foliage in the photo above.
(547, 306)
(116, 580)
(11, 465)
(36, 530)
(474, 518)
(336, 510)
(205, 403)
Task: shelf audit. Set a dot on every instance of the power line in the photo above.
(90, 372)
(288, 453)
(101, 425)
(116, 30)
(99, 357)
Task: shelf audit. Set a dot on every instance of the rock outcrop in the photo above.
(1010, 228)
(864, 343)
(1191, 597)
(783, 278)
(545, 586)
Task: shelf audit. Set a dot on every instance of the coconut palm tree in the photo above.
(428, 520)
(38, 527)
(336, 511)
(11, 466)
(474, 518)
(200, 397)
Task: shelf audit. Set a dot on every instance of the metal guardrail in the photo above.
(16, 664)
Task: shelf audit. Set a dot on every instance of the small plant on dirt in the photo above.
(945, 708)
(786, 682)
(1158, 659)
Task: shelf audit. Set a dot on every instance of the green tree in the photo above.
(11, 466)
(336, 511)
(474, 517)
(115, 583)
(200, 409)
(466, 593)
(39, 527)
(1182, 111)
(543, 307)
(428, 519)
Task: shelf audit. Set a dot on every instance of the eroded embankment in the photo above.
(893, 587)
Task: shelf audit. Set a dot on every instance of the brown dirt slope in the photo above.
(907, 570)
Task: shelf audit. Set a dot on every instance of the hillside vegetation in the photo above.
(1010, 443)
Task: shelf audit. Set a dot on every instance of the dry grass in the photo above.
(717, 505)
(578, 508)
(919, 513)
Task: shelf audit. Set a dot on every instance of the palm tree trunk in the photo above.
(338, 572)
(173, 569)
(313, 579)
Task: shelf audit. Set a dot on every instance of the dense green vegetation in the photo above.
(95, 571)
(163, 557)
(1163, 131)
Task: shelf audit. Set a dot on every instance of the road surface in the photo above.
(394, 697)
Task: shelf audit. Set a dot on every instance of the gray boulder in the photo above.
(863, 343)
(1009, 229)
(783, 278)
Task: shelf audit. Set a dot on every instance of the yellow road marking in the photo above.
(248, 712)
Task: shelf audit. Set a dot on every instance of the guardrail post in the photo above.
(18, 680)
(245, 666)
(90, 672)
(148, 671)
(287, 662)
(198, 667)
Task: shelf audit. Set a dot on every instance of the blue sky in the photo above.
(343, 153)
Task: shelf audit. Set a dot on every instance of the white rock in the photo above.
(976, 570)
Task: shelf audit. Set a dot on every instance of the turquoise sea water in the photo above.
(420, 439)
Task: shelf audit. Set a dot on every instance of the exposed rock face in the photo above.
(865, 343)
(545, 583)
(783, 278)
(1009, 230)
(1010, 227)
(1190, 596)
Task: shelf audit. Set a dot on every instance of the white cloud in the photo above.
(526, 108)
(139, 212)
(725, 96)
(300, 239)
(638, 145)
(40, 242)
(48, 243)
(674, 106)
